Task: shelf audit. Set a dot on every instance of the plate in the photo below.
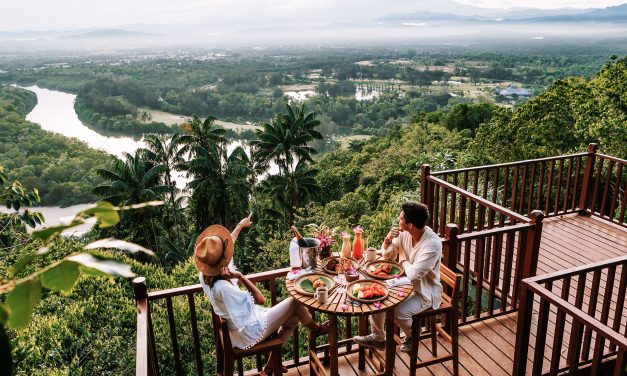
(397, 269)
(366, 282)
(332, 271)
(304, 286)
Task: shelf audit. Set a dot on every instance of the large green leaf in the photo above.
(93, 263)
(119, 244)
(62, 277)
(105, 212)
(21, 301)
(49, 232)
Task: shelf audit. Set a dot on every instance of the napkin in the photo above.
(398, 282)
(295, 261)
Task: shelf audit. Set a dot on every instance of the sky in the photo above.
(76, 14)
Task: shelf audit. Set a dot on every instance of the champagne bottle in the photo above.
(299, 238)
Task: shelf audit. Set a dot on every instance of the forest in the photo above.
(91, 329)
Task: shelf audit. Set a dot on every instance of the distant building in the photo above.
(510, 91)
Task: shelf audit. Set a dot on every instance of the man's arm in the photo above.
(426, 261)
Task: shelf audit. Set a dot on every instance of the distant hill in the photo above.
(610, 14)
(108, 34)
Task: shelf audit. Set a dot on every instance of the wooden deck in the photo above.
(487, 347)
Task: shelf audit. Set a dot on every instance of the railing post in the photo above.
(587, 177)
(145, 353)
(450, 249)
(425, 197)
(523, 331)
(532, 249)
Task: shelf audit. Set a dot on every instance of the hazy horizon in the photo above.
(76, 14)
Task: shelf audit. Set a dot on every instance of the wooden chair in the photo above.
(451, 282)
(227, 355)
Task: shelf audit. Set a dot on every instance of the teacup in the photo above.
(371, 254)
(321, 294)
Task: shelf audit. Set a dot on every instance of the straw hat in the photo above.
(213, 250)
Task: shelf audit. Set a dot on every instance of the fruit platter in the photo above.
(308, 283)
(383, 269)
(367, 291)
(335, 263)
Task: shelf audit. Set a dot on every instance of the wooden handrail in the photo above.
(576, 270)
(192, 289)
(584, 324)
(611, 158)
(493, 231)
(509, 164)
(577, 314)
(488, 204)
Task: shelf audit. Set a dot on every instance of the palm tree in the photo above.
(284, 140)
(133, 181)
(292, 190)
(220, 185)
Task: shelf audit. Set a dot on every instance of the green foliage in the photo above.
(61, 169)
(562, 119)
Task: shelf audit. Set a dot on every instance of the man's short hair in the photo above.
(416, 213)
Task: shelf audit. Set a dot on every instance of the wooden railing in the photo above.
(585, 318)
(493, 262)
(148, 303)
(605, 194)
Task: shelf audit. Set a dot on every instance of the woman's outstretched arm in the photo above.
(246, 222)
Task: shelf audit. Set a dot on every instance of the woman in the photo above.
(248, 321)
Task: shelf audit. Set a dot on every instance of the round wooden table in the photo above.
(339, 304)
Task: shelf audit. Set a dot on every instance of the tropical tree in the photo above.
(132, 181)
(219, 181)
(284, 139)
(292, 190)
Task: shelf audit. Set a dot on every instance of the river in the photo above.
(55, 112)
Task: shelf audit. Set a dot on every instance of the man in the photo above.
(419, 250)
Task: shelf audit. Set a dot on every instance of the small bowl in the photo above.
(351, 277)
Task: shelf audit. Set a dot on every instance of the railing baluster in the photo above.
(462, 207)
(556, 204)
(443, 210)
(507, 272)
(532, 182)
(548, 187)
(175, 344)
(466, 279)
(453, 203)
(192, 314)
(495, 272)
(540, 185)
(619, 173)
(541, 331)
(522, 241)
(514, 189)
(523, 188)
(608, 178)
(568, 173)
(495, 190)
(592, 307)
(597, 180)
(576, 331)
(599, 343)
(479, 250)
(436, 206)
(504, 201)
(559, 327)
(620, 303)
(576, 184)
(621, 217)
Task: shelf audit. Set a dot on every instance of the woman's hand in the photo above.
(246, 222)
(228, 274)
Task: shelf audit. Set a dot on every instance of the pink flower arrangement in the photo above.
(346, 235)
(352, 270)
(323, 233)
(358, 229)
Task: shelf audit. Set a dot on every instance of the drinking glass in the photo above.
(341, 279)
